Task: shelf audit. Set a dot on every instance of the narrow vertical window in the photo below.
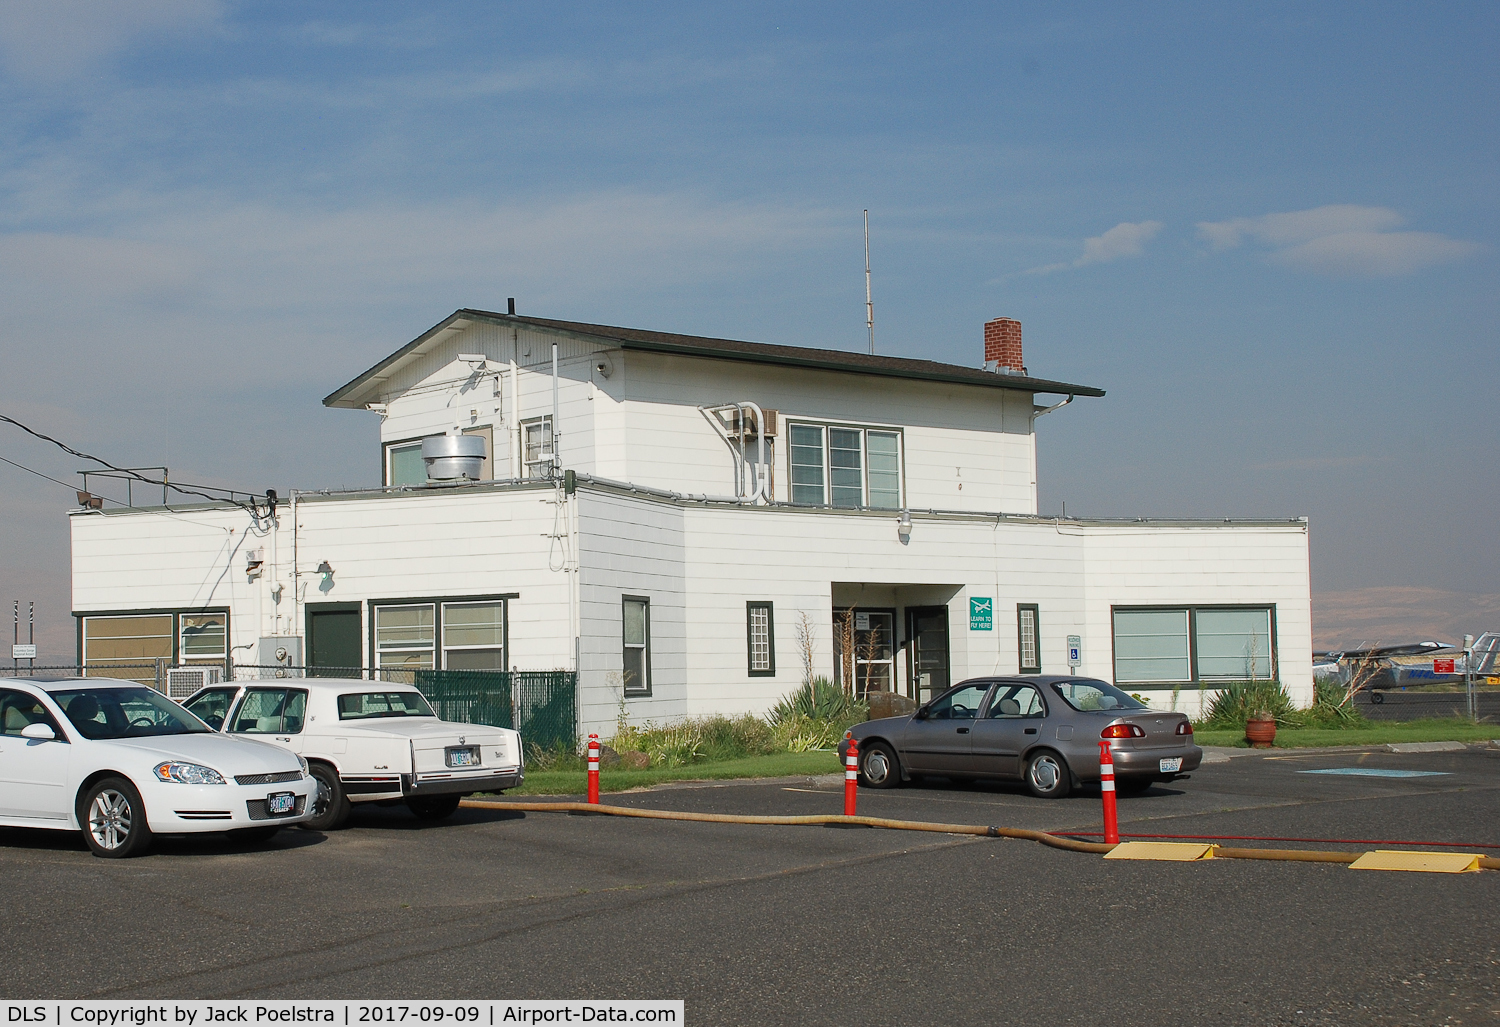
(536, 438)
(636, 671)
(846, 467)
(807, 465)
(1026, 632)
(884, 449)
(760, 639)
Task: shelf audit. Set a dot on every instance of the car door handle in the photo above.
(1031, 731)
(963, 730)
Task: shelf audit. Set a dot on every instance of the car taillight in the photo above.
(1122, 731)
(1185, 728)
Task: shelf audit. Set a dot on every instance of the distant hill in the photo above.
(1395, 613)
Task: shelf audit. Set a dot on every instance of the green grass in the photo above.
(615, 779)
(1368, 733)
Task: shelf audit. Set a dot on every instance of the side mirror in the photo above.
(921, 713)
(38, 732)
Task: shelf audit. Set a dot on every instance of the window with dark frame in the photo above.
(458, 633)
(636, 645)
(845, 467)
(1027, 632)
(760, 639)
(1173, 645)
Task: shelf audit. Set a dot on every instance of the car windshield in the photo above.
(211, 706)
(125, 712)
(370, 705)
(1085, 695)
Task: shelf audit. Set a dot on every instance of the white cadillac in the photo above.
(367, 741)
(121, 762)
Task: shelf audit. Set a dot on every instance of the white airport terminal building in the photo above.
(687, 523)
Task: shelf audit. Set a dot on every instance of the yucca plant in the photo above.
(1238, 701)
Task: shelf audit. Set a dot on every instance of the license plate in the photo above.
(279, 804)
(463, 757)
(1171, 766)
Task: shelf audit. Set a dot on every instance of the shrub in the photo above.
(820, 699)
(699, 740)
(1240, 700)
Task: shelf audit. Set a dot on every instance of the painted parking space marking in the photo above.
(1373, 772)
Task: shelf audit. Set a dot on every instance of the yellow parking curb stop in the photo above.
(1176, 851)
(1430, 862)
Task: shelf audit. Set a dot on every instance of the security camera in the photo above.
(471, 358)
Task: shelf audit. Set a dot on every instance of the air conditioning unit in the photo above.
(733, 418)
(184, 681)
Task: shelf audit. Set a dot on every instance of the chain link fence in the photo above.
(541, 704)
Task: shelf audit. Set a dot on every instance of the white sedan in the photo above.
(367, 741)
(121, 762)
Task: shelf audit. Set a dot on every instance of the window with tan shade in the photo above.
(126, 647)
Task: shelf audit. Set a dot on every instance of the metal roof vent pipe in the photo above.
(453, 457)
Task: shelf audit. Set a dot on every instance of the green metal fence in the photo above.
(541, 704)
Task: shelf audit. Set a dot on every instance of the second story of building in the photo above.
(716, 417)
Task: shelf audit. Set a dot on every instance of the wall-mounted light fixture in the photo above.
(903, 527)
(326, 569)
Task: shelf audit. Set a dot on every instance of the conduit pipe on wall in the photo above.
(738, 443)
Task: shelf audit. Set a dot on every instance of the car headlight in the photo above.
(187, 774)
(306, 771)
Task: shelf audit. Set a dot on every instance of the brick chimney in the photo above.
(1002, 346)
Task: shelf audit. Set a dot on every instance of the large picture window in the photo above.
(760, 639)
(848, 468)
(1175, 645)
(636, 656)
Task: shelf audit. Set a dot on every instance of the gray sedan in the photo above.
(1044, 730)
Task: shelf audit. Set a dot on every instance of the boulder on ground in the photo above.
(888, 704)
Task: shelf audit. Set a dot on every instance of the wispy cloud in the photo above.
(58, 39)
(1340, 239)
(1127, 239)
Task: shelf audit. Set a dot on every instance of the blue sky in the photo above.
(1268, 230)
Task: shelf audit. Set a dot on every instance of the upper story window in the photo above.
(537, 444)
(851, 468)
(403, 464)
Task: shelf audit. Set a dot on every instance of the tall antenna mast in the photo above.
(869, 306)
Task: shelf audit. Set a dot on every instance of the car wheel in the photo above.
(1133, 784)
(114, 819)
(433, 807)
(1048, 776)
(1377, 697)
(331, 807)
(878, 767)
(255, 835)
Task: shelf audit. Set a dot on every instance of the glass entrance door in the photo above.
(865, 641)
(927, 629)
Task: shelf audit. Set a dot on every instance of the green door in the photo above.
(333, 640)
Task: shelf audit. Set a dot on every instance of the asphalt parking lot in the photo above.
(788, 925)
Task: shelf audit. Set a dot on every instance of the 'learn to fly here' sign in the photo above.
(981, 614)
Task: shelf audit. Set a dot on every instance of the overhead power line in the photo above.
(136, 475)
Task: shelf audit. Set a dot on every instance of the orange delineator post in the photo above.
(851, 776)
(594, 769)
(1107, 787)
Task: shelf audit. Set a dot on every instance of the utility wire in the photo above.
(39, 474)
(248, 508)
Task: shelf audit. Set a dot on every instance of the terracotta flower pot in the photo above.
(1260, 731)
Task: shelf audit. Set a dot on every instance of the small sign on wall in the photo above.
(1443, 667)
(981, 614)
(861, 621)
(23, 652)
